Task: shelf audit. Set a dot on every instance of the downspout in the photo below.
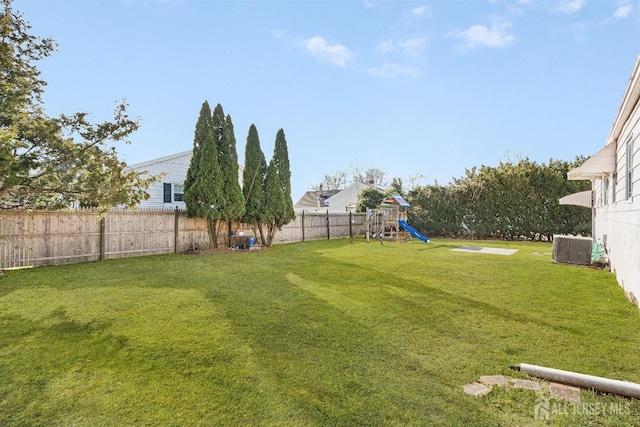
(593, 210)
(606, 385)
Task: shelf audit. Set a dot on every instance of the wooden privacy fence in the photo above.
(69, 237)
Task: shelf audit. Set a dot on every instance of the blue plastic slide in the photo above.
(415, 233)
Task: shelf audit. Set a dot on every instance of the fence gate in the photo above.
(14, 253)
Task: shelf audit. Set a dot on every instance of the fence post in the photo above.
(175, 232)
(302, 226)
(102, 237)
(328, 226)
(350, 222)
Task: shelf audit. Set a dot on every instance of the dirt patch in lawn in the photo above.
(225, 251)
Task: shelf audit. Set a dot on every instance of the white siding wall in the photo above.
(175, 171)
(618, 222)
(341, 201)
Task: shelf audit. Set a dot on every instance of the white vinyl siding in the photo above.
(629, 169)
(617, 226)
(614, 185)
(169, 192)
(605, 191)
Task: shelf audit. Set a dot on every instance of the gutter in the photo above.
(605, 385)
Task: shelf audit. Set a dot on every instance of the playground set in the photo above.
(389, 221)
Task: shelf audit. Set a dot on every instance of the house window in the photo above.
(178, 193)
(614, 182)
(629, 169)
(605, 190)
(173, 192)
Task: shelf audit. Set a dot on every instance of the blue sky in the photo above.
(409, 87)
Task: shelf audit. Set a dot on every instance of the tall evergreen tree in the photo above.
(283, 170)
(275, 202)
(218, 125)
(228, 157)
(255, 170)
(205, 196)
(203, 128)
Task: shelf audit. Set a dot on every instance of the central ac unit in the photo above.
(572, 249)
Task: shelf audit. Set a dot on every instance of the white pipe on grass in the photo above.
(606, 385)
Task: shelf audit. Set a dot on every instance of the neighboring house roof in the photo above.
(166, 159)
(180, 161)
(314, 200)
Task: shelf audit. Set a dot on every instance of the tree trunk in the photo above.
(263, 240)
(271, 232)
(212, 229)
(219, 226)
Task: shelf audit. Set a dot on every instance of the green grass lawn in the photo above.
(309, 334)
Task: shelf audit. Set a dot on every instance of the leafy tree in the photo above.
(49, 163)
(415, 180)
(205, 195)
(438, 209)
(369, 198)
(396, 186)
(514, 200)
(253, 180)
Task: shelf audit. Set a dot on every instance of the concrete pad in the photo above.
(492, 380)
(481, 250)
(526, 384)
(476, 389)
(566, 392)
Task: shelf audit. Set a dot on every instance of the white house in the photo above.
(615, 175)
(347, 199)
(314, 201)
(169, 192)
(332, 200)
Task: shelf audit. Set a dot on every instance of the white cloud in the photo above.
(481, 36)
(419, 11)
(412, 46)
(336, 54)
(622, 12)
(277, 33)
(387, 46)
(391, 71)
(570, 6)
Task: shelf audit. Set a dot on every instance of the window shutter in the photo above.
(167, 192)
